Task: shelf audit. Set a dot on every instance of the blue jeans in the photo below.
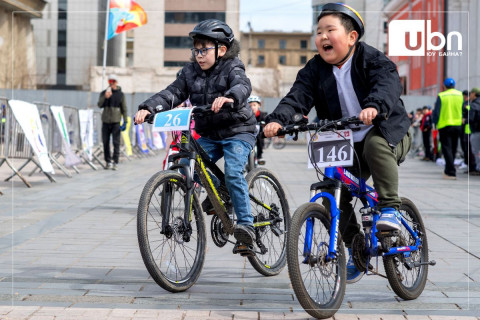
(236, 154)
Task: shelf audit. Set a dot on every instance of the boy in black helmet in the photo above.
(350, 78)
(216, 76)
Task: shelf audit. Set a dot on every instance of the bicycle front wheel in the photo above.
(279, 143)
(174, 257)
(319, 285)
(271, 224)
(406, 280)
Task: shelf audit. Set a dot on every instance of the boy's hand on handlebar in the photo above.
(367, 115)
(271, 129)
(218, 103)
(140, 116)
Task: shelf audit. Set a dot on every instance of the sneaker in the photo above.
(244, 234)
(109, 166)
(389, 220)
(207, 207)
(447, 177)
(115, 166)
(353, 274)
(261, 161)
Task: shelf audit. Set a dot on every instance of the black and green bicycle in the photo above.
(171, 226)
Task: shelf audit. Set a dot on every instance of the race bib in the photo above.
(172, 120)
(331, 149)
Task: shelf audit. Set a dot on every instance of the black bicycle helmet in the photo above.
(214, 29)
(348, 11)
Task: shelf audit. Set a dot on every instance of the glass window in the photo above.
(261, 43)
(282, 60)
(303, 44)
(192, 17)
(283, 44)
(178, 42)
(261, 60)
(303, 59)
(62, 38)
(61, 65)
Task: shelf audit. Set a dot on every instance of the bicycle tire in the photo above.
(279, 143)
(162, 254)
(397, 273)
(250, 162)
(309, 281)
(264, 185)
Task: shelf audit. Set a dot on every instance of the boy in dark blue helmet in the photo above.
(216, 76)
(350, 78)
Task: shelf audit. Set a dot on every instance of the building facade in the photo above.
(273, 48)
(17, 43)
(70, 41)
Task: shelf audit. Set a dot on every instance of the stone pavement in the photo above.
(68, 250)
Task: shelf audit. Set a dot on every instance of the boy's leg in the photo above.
(383, 161)
(236, 155)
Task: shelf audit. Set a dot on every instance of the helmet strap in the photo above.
(346, 56)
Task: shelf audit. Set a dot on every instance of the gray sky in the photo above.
(284, 15)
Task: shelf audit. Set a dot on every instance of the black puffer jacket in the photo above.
(226, 79)
(375, 81)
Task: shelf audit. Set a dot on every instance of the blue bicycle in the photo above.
(315, 251)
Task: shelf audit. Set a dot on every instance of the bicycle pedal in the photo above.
(243, 249)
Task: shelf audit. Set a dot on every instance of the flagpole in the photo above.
(105, 44)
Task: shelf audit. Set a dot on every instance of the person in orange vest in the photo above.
(447, 117)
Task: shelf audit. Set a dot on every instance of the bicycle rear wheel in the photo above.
(279, 143)
(175, 257)
(407, 281)
(264, 186)
(319, 285)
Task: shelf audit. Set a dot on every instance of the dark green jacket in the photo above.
(114, 107)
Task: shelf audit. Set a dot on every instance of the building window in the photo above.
(303, 44)
(282, 60)
(61, 65)
(261, 60)
(192, 17)
(261, 44)
(303, 59)
(174, 63)
(62, 38)
(178, 42)
(283, 44)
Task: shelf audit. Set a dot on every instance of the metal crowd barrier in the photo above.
(15, 145)
(97, 138)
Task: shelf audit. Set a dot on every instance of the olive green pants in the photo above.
(380, 161)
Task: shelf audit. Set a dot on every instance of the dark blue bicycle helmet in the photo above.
(214, 29)
(348, 11)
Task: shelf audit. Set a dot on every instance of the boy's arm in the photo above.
(172, 96)
(384, 83)
(239, 86)
(298, 100)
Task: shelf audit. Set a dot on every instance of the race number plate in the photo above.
(331, 149)
(172, 120)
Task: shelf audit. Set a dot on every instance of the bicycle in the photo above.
(315, 251)
(171, 228)
(277, 142)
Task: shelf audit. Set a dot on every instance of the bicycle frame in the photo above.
(191, 149)
(368, 196)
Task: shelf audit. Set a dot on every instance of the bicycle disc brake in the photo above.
(358, 251)
(219, 236)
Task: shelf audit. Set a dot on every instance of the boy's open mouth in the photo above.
(327, 47)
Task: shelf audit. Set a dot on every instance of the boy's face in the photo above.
(207, 60)
(332, 40)
(255, 106)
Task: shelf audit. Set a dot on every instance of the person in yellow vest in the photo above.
(447, 117)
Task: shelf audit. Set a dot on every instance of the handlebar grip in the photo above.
(148, 118)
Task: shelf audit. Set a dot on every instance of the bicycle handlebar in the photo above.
(205, 109)
(324, 125)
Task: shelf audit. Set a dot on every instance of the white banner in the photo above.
(29, 119)
(71, 158)
(86, 131)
